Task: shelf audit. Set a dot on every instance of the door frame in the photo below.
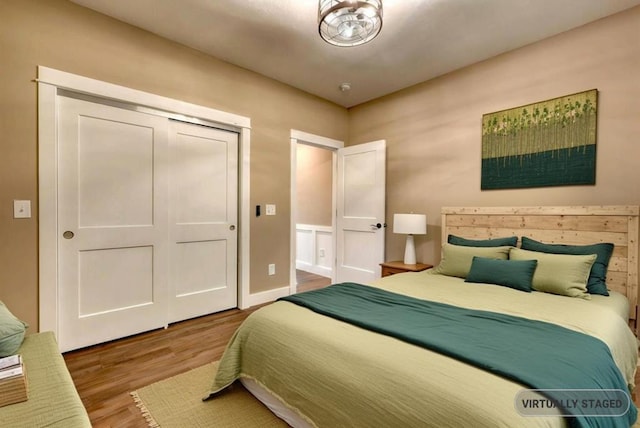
(301, 137)
(49, 82)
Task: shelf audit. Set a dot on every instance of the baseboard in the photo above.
(317, 269)
(267, 296)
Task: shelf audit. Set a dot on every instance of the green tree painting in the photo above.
(550, 143)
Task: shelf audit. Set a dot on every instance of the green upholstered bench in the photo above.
(52, 397)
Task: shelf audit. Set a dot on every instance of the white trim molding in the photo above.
(316, 140)
(267, 296)
(98, 88)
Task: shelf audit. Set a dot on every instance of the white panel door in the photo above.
(203, 220)
(112, 223)
(360, 212)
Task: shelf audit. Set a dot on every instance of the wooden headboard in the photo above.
(579, 225)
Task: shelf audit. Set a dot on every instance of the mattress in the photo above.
(329, 373)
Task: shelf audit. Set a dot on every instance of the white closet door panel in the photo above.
(201, 178)
(203, 232)
(113, 247)
(194, 268)
(115, 175)
(105, 289)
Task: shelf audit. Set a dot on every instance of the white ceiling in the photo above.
(420, 39)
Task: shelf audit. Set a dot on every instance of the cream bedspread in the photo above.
(335, 374)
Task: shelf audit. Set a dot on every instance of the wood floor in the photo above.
(309, 281)
(105, 374)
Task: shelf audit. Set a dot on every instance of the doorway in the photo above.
(357, 207)
(314, 223)
(313, 161)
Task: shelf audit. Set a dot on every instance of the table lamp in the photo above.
(410, 224)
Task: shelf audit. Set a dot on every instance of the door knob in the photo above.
(376, 226)
(232, 227)
(68, 234)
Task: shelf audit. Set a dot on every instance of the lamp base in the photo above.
(409, 251)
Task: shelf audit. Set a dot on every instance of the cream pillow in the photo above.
(561, 274)
(456, 259)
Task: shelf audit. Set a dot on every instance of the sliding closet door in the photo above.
(203, 220)
(112, 222)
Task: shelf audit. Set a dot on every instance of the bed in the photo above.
(315, 370)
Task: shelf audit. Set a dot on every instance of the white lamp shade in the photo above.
(410, 224)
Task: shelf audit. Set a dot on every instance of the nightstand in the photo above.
(390, 268)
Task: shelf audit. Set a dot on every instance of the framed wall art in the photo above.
(548, 143)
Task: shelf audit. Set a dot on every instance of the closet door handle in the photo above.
(68, 234)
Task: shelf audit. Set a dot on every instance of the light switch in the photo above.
(271, 209)
(21, 209)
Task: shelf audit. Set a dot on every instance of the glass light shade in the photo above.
(349, 22)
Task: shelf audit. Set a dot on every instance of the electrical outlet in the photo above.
(272, 269)
(321, 252)
(270, 209)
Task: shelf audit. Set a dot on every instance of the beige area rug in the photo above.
(177, 402)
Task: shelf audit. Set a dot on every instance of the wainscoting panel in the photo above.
(314, 249)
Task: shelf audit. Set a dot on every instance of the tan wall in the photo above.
(62, 35)
(433, 129)
(314, 185)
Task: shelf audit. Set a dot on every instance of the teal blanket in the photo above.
(537, 354)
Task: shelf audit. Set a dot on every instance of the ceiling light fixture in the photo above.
(349, 22)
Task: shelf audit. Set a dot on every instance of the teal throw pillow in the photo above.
(597, 282)
(516, 274)
(11, 332)
(510, 241)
